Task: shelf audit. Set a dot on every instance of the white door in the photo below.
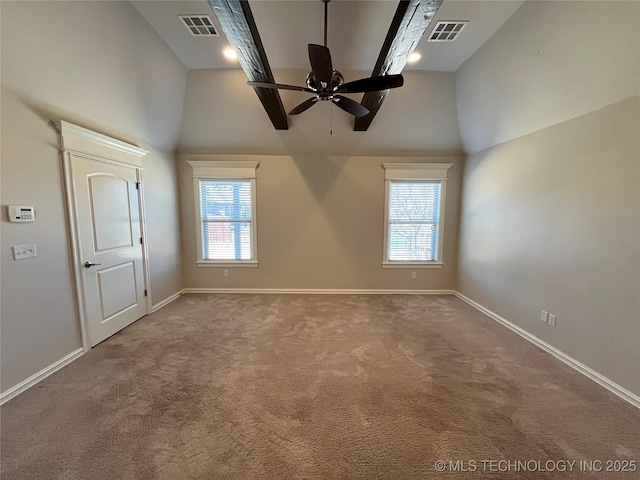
(110, 243)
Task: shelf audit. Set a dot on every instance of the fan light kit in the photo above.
(328, 84)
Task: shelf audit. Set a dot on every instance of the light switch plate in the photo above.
(20, 252)
(552, 320)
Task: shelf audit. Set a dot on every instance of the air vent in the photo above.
(199, 25)
(447, 31)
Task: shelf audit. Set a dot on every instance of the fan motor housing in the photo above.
(325, 93)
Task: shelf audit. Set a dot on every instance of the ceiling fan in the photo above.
(328, 84)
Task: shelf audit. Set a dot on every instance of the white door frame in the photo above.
(81, 142)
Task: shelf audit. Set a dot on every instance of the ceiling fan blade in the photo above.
(304, 106)
(372, 84)
(321, 65)
(280, 86)
(348, 105)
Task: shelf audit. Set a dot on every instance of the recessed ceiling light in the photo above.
(414, 57)
(230, 53)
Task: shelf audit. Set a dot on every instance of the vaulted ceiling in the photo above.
(373, 36)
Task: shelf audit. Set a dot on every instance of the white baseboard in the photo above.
(319, 291)
(165, 302)
(41, 375)
(44, 373)
(613, 387)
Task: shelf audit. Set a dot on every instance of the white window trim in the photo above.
(222, 170)
(434, 172)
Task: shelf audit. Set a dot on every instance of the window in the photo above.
(413, 221)
(414, 214)
(225, 213)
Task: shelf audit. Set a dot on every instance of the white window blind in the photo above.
(415, 196)
(225, 214)
(226, 219)
(414, 219)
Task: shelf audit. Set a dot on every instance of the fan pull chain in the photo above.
(331, 114)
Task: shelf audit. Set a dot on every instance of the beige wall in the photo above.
(39, 324)
(550, 216)
(550, 62)
(99, 60)
(222, 114)
(545, 111)
(320, 226)
(95, 64)
(162, 212)
(551, 221)
(320, 196)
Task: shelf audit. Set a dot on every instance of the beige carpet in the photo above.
(294, 386)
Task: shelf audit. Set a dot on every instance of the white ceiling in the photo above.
(356, 31)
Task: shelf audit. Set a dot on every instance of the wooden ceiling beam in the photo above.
(237, 23)
(411, 20)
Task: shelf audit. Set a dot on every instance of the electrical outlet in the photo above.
(543, 316)
(552, 320)
(414, 274)
(226, 273)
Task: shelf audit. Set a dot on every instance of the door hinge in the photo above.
(145, 292)
(137, 185)
(141, 241)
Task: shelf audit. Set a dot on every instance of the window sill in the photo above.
(224, 264)
(412, 265)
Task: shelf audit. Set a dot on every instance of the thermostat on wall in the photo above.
(20, 213)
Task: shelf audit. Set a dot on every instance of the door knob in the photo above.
(89, 264)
